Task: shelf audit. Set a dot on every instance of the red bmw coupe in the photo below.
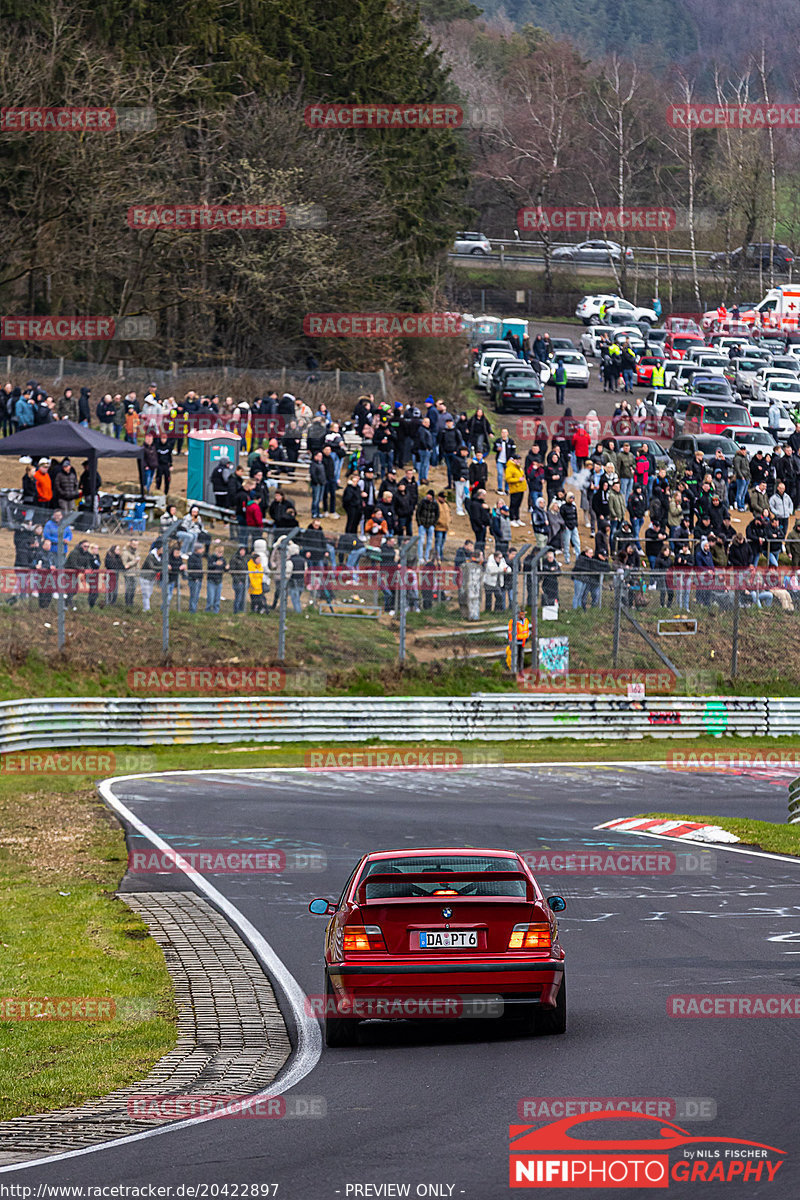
(443, 933)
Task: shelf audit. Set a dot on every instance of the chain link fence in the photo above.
(312, 611)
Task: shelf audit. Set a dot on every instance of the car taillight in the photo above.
(530, 937)
(363, 937)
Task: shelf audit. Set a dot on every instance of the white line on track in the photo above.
(309, 1038)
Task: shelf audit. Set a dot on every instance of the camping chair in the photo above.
(111, 510)
(133, 519)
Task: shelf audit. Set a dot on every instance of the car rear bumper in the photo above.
(509, 403)
(514, 982)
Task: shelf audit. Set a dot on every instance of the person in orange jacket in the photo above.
(44, 484)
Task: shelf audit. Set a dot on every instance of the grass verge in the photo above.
(64, 934)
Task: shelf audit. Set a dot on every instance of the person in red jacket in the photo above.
(253, 516)
(580, 444)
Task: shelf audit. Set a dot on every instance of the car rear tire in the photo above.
(339, 1032)
(554, 1020)
(478, 250)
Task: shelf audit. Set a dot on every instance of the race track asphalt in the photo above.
(428, 1103)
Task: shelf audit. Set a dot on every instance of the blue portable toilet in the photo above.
(206, 448)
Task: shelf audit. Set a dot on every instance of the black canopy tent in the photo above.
(68, 440)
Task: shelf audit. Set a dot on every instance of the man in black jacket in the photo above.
(480, 517)
(353, 504)
(427, 516)
(583, 576)
(313, 545)
(216, 568)
(84, 413)
(164, 457)
(316, 478)
(478, 473)
(329, 494)
(450, 443)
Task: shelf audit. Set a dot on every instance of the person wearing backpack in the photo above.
(560, 380)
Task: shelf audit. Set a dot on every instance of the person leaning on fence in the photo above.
(237, 566)
(44, 561)
(549, 572)
(114, 564)
(131, 561)
(194, 574)
(150, 574)
(582, 573)
(493, 572)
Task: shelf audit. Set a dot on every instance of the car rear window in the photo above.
(710, 388)
(682, 343)
(446, 868)
(726, 414)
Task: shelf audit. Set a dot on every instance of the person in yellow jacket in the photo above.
(523, 633)
(515, 482)
(658, 377)
(258, 576)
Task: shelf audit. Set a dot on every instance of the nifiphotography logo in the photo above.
(558, 1156)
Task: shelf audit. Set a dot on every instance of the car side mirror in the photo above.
(322, 908)
(557, 903)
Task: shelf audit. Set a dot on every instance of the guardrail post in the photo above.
(618, 583)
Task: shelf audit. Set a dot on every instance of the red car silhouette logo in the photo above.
(556, 1136)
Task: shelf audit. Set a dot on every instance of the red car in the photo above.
(439, 927)
(676, 344)
(644, 368)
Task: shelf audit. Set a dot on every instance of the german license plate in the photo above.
(449, 939)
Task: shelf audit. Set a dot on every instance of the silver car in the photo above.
(598, 251)
(472, 243)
